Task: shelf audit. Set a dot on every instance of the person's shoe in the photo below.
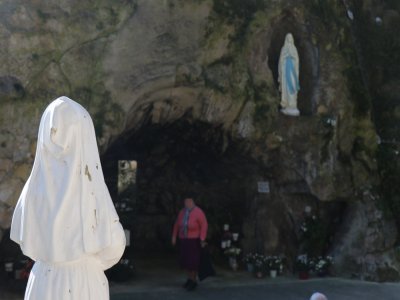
(187, 283)
(192, 286)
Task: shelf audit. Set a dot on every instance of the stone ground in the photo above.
(164, 283)
(280, 289)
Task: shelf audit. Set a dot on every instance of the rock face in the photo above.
(189, 89)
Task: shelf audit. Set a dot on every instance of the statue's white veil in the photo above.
(65, 209)
(289, 47)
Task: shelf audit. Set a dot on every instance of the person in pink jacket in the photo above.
(191, 229)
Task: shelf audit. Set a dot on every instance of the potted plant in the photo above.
(322, 265)
(303, 266)
(275, 265)
(249, 261)
(259, 265)
(233, 254)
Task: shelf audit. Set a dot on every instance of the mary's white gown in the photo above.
(78, 279)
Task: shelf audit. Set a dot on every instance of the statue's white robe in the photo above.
(65, 219)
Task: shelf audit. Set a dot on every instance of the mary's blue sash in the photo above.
(291, 77)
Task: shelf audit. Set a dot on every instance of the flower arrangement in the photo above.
(303, 263)
(233, 252)
(259, 263)
(322, 264)
(275, 263)
(249, 258)
(303, 266)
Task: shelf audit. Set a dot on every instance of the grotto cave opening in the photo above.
(174, 159)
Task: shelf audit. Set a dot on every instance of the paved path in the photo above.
(164, 281)
(254, 289)
(285, 289)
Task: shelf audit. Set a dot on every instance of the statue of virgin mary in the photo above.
(288, 77)
(65, 219)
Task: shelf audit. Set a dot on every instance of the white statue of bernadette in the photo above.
(65, 219)
(288, 77)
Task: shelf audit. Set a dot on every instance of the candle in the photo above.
(127, 237)
(9, 266)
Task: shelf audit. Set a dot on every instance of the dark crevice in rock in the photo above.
(11, 88)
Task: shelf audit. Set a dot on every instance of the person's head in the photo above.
(189, 201)
(318, 296)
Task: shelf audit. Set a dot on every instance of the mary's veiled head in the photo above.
(289, 38)
(58, 126)
(65, 199)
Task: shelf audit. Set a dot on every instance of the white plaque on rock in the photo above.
(263, 187)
